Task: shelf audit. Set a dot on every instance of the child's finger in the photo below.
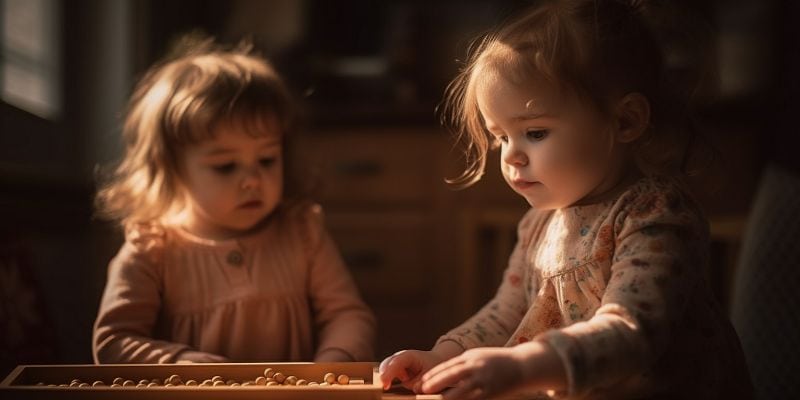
(445, 377)
(391, 368)
(442, 367)
(386, 360)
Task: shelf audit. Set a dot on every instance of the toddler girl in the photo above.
(219, 264)
(604, 295)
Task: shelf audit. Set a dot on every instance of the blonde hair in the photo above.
(180, 102)
(592, 49)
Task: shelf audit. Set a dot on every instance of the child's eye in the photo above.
(536, 134)
(267, 162)
(224, 168)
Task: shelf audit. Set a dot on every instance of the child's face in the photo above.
(555, 150)
(233, 181)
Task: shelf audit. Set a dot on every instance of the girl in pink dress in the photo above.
(220, 263)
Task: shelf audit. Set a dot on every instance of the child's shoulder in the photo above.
(146, 239)
(659, 198)
(657, 192)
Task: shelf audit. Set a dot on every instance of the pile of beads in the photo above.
(270, 377)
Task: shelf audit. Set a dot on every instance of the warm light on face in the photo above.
(232, 181)
(553, 147)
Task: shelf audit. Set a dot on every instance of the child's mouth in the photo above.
(251, 204)
(522, 185)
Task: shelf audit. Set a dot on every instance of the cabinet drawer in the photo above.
(386, 253)
(364, 167)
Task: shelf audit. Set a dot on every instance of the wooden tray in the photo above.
(22, 382)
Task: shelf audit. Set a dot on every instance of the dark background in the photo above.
(356, 66)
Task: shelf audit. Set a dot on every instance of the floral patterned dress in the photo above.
(618, 289)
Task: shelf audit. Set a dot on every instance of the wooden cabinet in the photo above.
(385, 201)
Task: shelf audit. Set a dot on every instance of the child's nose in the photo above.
(515, 156)
(252, 178)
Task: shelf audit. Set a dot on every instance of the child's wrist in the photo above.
(447, 349)
(539, 362)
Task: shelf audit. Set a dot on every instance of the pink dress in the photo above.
(618, 289)
(279, 294)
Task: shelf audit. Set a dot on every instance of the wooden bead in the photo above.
(343, 379)
(273, 383)
(191, 382)
(217, 378)
(128, 382)
(152, 384)
(144, 381)
(218, 383)
(98, 383)
(269, 372)
(330, 378)
(301, 382)
(261, 381)
(279, 377)
(84, 384)
(290, 380)
(156, 381)
(174, 379)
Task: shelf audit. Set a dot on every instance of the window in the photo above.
(30, 56)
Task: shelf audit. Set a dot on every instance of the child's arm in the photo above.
(345, 325)
(660, 253)
(128, 311)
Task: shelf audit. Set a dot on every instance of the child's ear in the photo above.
(633, 117)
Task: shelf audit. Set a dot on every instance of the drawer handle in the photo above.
(359, 169)
(367, 259)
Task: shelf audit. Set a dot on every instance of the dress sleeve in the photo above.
(342, 320)
(130, 306)
(659, 259)
(494, 324)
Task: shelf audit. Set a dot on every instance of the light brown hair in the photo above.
(179, 102)
(592, 49)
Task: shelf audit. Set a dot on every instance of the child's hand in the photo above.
(191, 356)
(407, 366)
(477, 373)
